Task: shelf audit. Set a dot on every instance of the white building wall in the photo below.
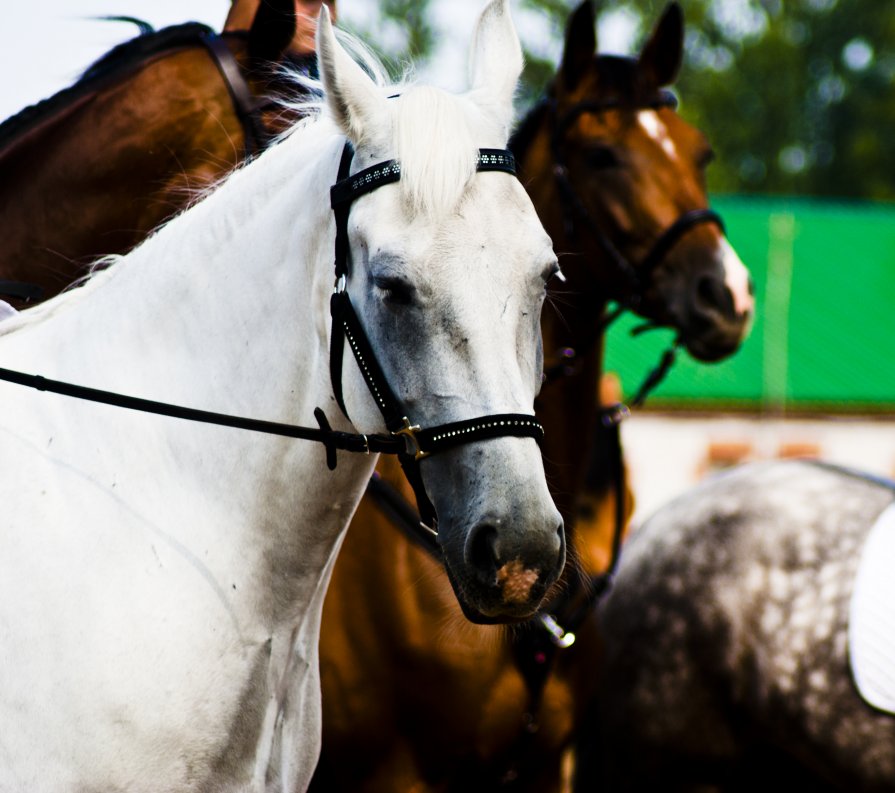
(668, 454)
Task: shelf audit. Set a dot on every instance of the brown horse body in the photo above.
(415, 697)
(148, 127)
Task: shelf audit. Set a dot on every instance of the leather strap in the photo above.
(246, 104)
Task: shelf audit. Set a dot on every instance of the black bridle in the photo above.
(636, 277)
(419, 443)
(406, 440)
(246, 103)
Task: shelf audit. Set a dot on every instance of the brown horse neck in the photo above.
(113, 162)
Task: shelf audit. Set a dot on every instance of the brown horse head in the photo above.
(629, 191)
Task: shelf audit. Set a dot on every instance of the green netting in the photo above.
(824, 335)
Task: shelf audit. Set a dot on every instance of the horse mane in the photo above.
(135, 50)
(117, 62)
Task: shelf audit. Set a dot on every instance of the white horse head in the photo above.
(448, 271)
(161, 582)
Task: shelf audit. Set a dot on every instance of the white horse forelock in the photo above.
(437, 133)
(437, 149)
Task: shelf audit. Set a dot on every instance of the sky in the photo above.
(45, 45)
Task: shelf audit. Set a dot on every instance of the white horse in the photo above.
(161, 581)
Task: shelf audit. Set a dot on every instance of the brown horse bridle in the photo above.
(247, 105)
(636, 276)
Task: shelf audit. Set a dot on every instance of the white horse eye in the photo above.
(395, 291)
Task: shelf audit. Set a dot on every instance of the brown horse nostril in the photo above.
(713, 296)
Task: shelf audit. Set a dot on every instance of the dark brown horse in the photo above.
(728, 641)
(414, 696)
(93, 169)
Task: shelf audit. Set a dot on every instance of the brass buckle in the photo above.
(409, 432)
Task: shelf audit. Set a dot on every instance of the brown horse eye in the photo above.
(602, 157)
(706, 158)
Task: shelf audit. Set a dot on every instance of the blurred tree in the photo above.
(540, 66)
(797, 96)
(400, 32)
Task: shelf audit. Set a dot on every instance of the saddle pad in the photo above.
(6, 310)
(871, 624)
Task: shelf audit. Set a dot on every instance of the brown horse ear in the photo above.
(662, 54)
(581, 44)
(272, 30)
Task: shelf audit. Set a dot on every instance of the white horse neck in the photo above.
(198, 303)
(196, 557)
(224, 309)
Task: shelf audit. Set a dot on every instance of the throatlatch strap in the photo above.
(246, 104)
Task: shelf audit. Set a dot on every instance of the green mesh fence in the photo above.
(824, 334)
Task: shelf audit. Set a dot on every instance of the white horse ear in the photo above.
(496, 60)
(352, 96)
